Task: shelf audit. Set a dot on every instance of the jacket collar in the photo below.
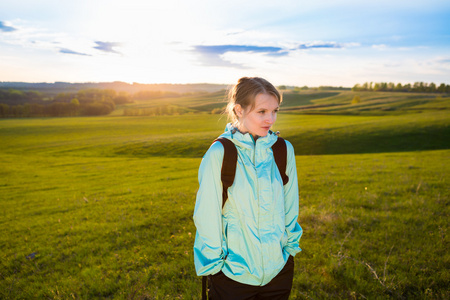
(245, 140)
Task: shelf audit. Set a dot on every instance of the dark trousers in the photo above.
(223, 288)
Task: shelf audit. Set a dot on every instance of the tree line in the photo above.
(87, 102)
(417, 87)
(90, 102)
(297, 89)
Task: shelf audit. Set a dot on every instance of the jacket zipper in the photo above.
(258, 207)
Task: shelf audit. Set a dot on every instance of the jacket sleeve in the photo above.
(208, 254)
(291, 204)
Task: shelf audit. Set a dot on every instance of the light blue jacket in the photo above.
(251, 238)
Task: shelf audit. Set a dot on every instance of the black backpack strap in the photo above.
(280, 154)
(227, 176)
(228, 166)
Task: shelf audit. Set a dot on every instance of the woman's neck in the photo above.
(254, 136)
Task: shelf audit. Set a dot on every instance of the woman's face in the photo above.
(259, 120)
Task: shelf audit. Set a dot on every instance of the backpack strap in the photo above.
(280, 154)
(227, 176)
(228, 166)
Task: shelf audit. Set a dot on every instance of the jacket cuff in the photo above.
(211, 269)
(292, 250)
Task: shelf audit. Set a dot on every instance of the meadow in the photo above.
(101, 207)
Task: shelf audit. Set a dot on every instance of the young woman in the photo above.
(246, 247)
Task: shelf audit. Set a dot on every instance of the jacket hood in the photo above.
(246, 140)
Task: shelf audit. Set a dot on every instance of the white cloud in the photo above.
(380, 47)
(314, 43)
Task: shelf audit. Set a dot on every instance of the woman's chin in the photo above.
(264, 133)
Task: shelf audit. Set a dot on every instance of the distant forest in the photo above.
(15, 103)
(66, 99)
(89, 102)
(417, 87)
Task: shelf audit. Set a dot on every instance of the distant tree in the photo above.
(95, 95)
(75, 102)
(96, 109)
(16, 110)
(37, 110)
(122, 99)
(407, 87)
(26, 111)
(3, 94)
(282, 87)
(441, 88)
(57, 109)
(63, 97)
(417, 87)
(16, 95)
(34, 96)
(4, 110)
(110, 103)
(356, 87)
(356, 99)
(432, 87)
(377, 87)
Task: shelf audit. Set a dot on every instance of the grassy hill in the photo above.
(371, 103)
(191, 134)
(101, 207)
(310, 102)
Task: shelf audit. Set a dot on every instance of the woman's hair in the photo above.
(245, 92)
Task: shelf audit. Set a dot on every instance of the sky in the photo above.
(300, 43)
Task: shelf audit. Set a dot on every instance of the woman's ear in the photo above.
(238, 110)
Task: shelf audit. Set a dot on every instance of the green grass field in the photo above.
(101, 207)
